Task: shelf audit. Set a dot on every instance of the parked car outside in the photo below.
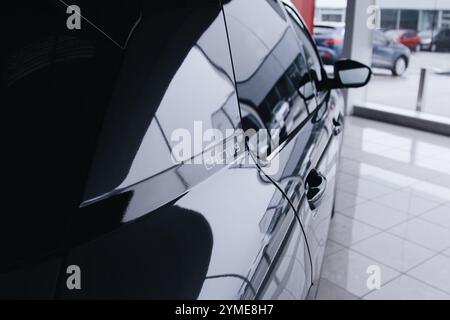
(426, 39)
(329, 38)
(441, 41)
(387, 54)
(114, 137)
(408, 38)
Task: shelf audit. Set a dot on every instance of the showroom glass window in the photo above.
(409, 19)
(389, 19)
(445, 19)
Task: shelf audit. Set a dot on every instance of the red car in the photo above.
(408, 38)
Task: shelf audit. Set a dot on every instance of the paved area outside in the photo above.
(402, 91)
(392, 212)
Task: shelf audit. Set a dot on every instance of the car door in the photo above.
(407, 39)
(383, 52)
(175, 207)
(446, 40)
(326, 127)
(302, 158)
(440, 40)
(275, 91)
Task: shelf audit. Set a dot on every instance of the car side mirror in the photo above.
(350, 74)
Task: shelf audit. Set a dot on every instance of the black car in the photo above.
(441, 41)
(426, 39)
(112, 186)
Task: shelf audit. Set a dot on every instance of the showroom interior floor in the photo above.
(392, 214)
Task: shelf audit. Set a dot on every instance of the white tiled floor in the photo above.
(392, 212)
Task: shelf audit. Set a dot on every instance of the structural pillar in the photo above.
(358, 45)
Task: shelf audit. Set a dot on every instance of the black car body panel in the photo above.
(441, 41)
(95, 110)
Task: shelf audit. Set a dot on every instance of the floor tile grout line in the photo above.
(411, 241)
(406, 272)
(435, 253)
(384, 284)
(359, 125)
(388, 266)
(360, 221)
(428, 284)
(363, 201)
(373, 200)
(370, 258)
(426, 261)
(381, 231)
(432, 222)
(412, 277)
(377, 227)
(419, 217)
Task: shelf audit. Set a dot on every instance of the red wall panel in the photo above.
(307, 8)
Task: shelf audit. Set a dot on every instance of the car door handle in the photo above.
(337, 127)
(316, 185)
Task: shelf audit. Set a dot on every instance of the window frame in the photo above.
(296, 18)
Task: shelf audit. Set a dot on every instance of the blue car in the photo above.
(329, 38)
(386, 53)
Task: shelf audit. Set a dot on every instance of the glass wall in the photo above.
(413, 35)
(389, 18)
(429, 20)
(409, 19)
(330, 15)
(445, 22)
(403, 59)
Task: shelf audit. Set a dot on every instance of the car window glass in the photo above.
(271, 70)
(443, 34)
(312, 58)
